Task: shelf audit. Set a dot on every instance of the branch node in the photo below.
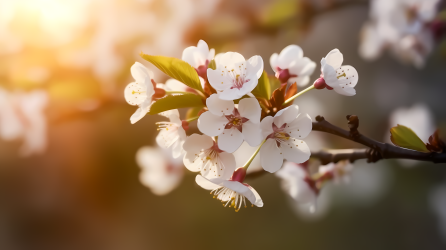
(373, 155)
(353, 124)
(320, 118)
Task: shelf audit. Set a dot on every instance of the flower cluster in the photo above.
(406, 28)
(234, 101)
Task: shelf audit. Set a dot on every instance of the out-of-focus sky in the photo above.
(84, 192)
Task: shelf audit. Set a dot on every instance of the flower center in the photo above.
(238, 78)
(235, 120)
(230, 197)
(168, 131)
(279, 134)
(211, 161)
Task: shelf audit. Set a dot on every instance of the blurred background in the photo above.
(68, 174)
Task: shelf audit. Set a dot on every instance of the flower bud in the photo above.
(284, 75)
(319, 83)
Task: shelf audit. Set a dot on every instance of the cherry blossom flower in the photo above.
(203, 155)
(290, 66)
(140, 92)
(235, 77)
(405, 27)
(199, 57)
(232, 192)
(22, 116)
(172, 133)
(159, 171)
(231, 124)
(342, 79)
(283, 134)
(298, 185)
(339, 171)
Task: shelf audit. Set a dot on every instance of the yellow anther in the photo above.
(341, 75)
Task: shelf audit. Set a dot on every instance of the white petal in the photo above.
(175, 85)
(271, 156)
(250, 108)
(205, 183)
(233, 94)
(140, 112)
(189, 56)
(273, 61)
(211, 54)
(140, 73)
(300, 127)
(177, 148)
(255, 64)
(267, 126)
(230, 140)
(229, 59)
(203, 47)
(135, 93)
(167, 137)
(218, 106)
(218, 79)
(192, 161)
(371, 42)
(303, 67)
(347, 91)
(300, 81)
(289, 55)
(258, 201)
(334, 58)
(286, 115)
(348, 76)
(248, 192)
(295, 150)
(252, 133)
(228, 161)
(196, 142)
(211, 124)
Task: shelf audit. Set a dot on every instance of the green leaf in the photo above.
(263, 88)
(274, 83)
(404, 137)
(212, 65)
(193, 112)
(175, 68)
(175, 102)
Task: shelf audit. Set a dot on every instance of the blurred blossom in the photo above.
(159, 170)
(22, 116)
(402, 26)
(438, 205)
(419, 118)
(339, 171)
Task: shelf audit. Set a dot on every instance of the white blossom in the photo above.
(140, 92)
(339, 171)
(235, 77)
(232, 192)
(291, 67)
(198, 56)
(22, 116)
(402, 26)
(231, 124)
(284, 133)
(342, 79)
(203, 155)
(172, 133)
(159, 171)
(298, 185)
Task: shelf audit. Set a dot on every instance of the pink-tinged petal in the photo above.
(196, 142)
(255, 64)
(295, 150)
(347, 76)
(211, 124)
(273, 61)
(334, 58)
(218, 79)
(230, 140)
(218, 106)
(230, 58)
(289, 55)
(266, 126)
(286, 115)
(252, 133)
(271, 156)
(206, 184)
(300, 127)
(228, 162)
(140, 73)
(250, 108)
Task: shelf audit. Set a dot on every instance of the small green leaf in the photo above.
(263, 88)
(193, 112)
(175, 68)
(404, 137)
(175, 102)
(212, 65)
(274, 83)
